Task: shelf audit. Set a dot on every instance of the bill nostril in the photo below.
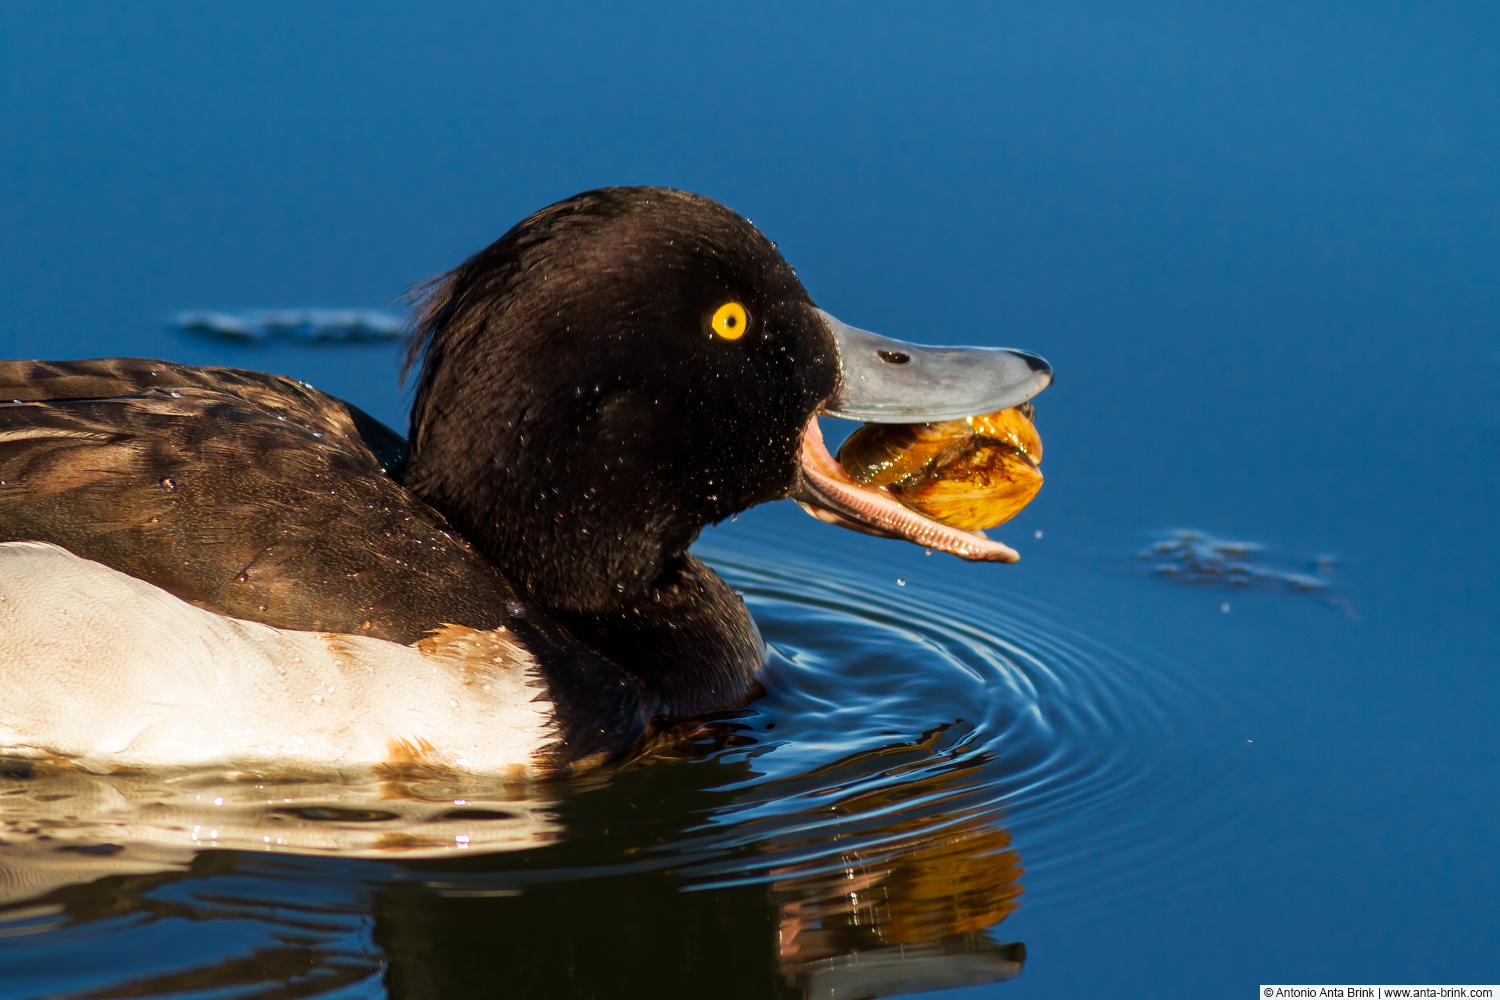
(894, 357)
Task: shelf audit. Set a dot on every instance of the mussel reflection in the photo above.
(907, 914)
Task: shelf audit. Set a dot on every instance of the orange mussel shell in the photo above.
(973, 473)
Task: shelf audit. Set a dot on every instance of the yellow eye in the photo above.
(730, 321)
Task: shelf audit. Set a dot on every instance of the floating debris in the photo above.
(304, 325)
(1195, 557)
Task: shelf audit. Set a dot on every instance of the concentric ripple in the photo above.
(887, 710)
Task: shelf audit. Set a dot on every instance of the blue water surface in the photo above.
(1258, 243)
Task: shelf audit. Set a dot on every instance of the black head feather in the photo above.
(578, 419)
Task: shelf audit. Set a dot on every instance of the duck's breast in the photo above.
(111, 671)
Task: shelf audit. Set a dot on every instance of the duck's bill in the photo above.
(889, 381)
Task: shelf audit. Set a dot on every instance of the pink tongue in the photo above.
(877, 511)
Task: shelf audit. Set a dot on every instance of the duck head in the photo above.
(631, 364)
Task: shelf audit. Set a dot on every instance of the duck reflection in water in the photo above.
(891, 890)
(909, 916)
(897, 901)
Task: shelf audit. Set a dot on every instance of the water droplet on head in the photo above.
(517, 609)
(243, 577)
(169, 484)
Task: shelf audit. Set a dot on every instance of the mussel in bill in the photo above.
(972, 473)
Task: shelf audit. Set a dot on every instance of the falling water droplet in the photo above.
(900, 582)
